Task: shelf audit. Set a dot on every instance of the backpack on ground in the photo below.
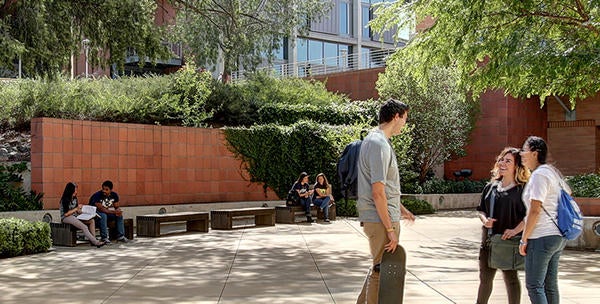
(347, 168)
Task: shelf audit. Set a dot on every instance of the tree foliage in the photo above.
(241, 33)
(45, 33)
(441, 114)
(526, 47)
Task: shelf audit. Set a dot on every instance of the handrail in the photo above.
(343, 63)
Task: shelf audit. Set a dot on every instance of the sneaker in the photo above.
(106, 241)
(309, 219)
(326, 220)
(123, 239)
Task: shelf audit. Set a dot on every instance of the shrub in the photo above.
(175, 99)
(586, 185)
(19, 237)
(12, 196)
(440, 186)
(344, 208)
(417, 206)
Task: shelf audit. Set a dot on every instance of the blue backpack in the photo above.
(570, 219)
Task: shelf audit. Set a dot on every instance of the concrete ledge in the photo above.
(588, 239)
(134, 211)
(449, 201)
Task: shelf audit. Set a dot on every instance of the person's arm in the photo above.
(532, 218)
(381, 205)
(70, 212)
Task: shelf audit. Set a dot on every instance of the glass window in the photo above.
(315, 51)
(301, 49)
(330, 53)
(366, 17)
(344, 18)
(365, 58)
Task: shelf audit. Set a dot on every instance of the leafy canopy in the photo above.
(244, 32)
(526, 47)
(442, 113)
(45, 33)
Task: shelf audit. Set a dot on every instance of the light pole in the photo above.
(86, 48)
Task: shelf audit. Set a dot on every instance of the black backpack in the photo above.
(293, 198)
(347, 168)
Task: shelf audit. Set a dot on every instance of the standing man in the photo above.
(107, 206)
(379, 207)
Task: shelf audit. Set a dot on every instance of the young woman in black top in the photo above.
(69, 209)
(508, 180)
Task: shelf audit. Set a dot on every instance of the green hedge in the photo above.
(440, 186)
(414, 205)
(586, 185)
(19, 237)
(176, 99)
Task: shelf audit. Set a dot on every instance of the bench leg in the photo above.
(264, 220)
(285, 215)
(148, 227)
(197, 225)
(63, 234)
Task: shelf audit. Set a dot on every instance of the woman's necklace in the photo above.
(501, 188)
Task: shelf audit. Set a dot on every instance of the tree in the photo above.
(241, 33)
(45, 33)
(441, 114)
(526, 47)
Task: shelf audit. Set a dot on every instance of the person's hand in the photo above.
(407, 215)
(119, 212)
(508, 234)
(393, 244)
(489, 222)
(523, 248)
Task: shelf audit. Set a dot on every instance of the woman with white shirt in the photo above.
(542, 243)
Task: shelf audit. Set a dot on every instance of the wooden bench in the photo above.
(293, 214)
(66, 234)
(223, 219)
(149, 225)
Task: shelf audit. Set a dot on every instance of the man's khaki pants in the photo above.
(377, 235)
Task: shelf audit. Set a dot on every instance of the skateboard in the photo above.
(391, 276)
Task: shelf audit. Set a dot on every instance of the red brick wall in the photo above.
(575, 145)
(148, 164)
(357, 85)
(503, 121)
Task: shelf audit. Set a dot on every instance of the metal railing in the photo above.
(322, 66)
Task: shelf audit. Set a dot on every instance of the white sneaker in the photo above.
(123, 239)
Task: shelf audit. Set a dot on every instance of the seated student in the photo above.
(322, 195)
(305, 193)
(107, 202)
(69, 209)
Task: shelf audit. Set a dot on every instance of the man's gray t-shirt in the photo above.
(377, 163)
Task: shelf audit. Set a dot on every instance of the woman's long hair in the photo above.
(325, 182)
(522, 174)
(67, 195)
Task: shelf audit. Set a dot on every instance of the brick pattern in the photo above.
(575, 145)
(503, 121)
(357, 85)
(149, 165)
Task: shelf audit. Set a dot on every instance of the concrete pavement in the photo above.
(287, 263)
